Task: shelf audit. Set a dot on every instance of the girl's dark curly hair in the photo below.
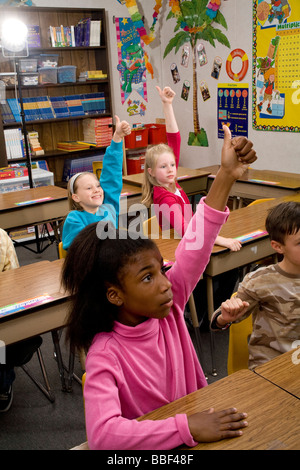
(95, 260)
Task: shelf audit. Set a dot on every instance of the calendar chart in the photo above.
(276, 65)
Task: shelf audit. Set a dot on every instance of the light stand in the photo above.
(14, 46)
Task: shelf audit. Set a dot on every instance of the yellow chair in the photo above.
(84, 445)
(238, 353)
(61, 252)
(258, 201)
(97, 168)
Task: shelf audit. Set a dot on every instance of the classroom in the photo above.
(218, 81)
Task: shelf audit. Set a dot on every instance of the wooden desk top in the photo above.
(130, 190)
(283, 371)
(182, 174)
(249, 219)
(273, 414)
(32, 280)
(265, 177)
(8, 200)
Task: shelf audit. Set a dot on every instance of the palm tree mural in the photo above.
(194, 20)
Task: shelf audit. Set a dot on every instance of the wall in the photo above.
(277, 151)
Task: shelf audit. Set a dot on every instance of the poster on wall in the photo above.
(233, 108)
(131, 59)
(276, 65)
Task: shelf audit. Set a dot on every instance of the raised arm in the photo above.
(167, 95)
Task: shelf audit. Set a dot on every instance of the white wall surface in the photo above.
(276, 150)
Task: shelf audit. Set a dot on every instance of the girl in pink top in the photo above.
(127, 311)
(160, 187)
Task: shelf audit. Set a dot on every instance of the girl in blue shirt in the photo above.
(93, 200)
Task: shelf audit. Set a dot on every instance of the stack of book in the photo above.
(59, 106)
(87, 32)
(98, 131)
(72, 146)
(14, 143)
(74, 104)
(93, 103)
(35, 146)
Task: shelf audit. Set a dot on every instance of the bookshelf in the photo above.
(84, 57)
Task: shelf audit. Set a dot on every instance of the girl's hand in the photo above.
(211, 425)
(231, 243)
(122, 129)
(231, 310)
(166, 95)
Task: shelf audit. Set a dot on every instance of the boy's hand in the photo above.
(122, 129)
(231, 310)
(237, 154)
(166, 95)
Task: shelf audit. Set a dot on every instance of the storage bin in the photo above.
(28, 65)
(135, 164)
(66, 74)
(156, 133)
(137, 138)
(40, 178)
(47, 75)
(30, 79)
(48, 60)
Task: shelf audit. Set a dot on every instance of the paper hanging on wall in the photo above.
(131, 59)
(276, 65)
(175, 73)
(233, 108)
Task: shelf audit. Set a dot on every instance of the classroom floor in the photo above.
(34, 423)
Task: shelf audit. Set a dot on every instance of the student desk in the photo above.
(191, 181)
(16, 211)
(257, 184)
(240, 222)
(273, 414)
(283, 371)
(28, 282)
(130, 195)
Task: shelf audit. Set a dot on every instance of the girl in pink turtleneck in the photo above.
(127, 311)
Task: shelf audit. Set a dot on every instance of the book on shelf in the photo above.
(73, 146)
(14, 143)
(45, 108)
(93, 103)
(59, 106)
(31, 110)
(34, 143)
(87, 32)
(74, 104)
(33, 37)
(6, 113)
(98, 131)
(15, 108)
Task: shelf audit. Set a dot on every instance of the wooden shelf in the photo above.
(84, 58)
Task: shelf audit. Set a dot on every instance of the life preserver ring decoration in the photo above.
(237, 77)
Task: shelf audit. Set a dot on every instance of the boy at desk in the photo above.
(271, 293)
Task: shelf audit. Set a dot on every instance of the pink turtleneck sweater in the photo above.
(133, 370)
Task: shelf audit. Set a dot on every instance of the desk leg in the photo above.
(210, 307)
(196, 326)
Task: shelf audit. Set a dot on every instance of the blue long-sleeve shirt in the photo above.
(111, 183)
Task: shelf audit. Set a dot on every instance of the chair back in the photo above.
(151, 227)
(61, 252)
(97, 168)
(238, 353)
(258, 201)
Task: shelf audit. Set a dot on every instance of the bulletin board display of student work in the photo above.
(276, 65)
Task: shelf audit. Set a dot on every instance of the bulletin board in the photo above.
(276, 65)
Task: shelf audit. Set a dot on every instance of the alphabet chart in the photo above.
(276, 65)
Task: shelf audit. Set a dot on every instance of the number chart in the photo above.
(276, 65)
